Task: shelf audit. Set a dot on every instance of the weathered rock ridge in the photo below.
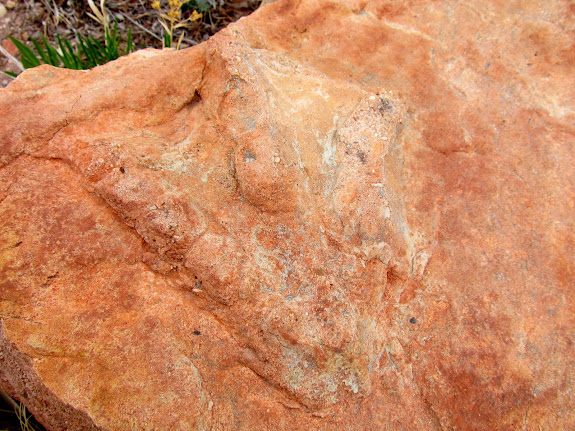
(330, 216)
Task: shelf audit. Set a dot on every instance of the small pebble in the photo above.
(10, 4)
(3, 10)
(9, 46)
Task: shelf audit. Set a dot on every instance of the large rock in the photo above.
(330, 216)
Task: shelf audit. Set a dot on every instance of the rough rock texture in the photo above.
(330, 216)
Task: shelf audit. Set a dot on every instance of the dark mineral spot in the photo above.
(413, 320)
(196, 332)
(248, 156)
(385, 105)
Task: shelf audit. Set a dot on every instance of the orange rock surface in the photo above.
(330, 216)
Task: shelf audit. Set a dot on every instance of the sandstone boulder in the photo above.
(330, 216)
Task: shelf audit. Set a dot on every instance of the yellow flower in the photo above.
(174, 14)
(156, 4)
(196, 16)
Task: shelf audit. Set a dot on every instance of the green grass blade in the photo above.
(43, 54)
(75, 56)
(98, 51)
(68, 53)
(27, 56)
(53, 53)
(129, 45)
(64, 55)
(88, 54)
(112, 43)
(79, 57)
